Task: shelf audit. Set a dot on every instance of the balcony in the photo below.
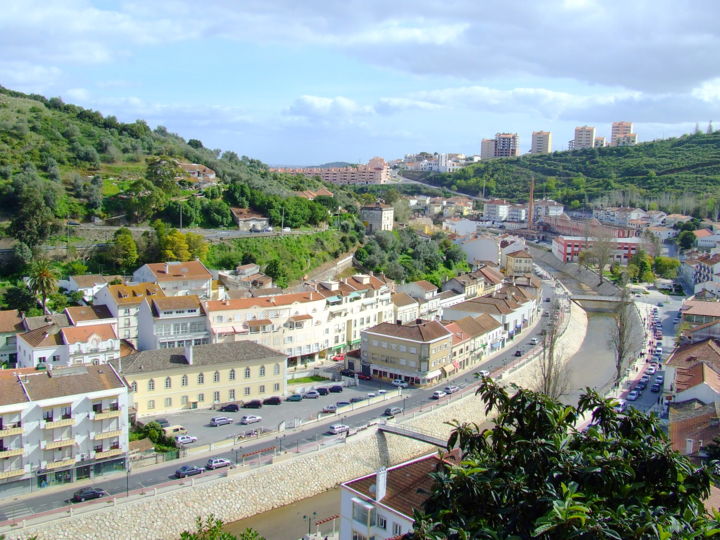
(11, 429)
(11, 473)
(68, 462)
(108, 453)
(59, 423)
(107, 434)
(52, 445)
(104, 415)
(6, 452)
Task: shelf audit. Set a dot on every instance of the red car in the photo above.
(364, 377)
(338, 358)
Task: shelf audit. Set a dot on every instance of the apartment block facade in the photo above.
(584, 137)
(61, 425)
(172, 321)
(177, 278)
(507, 145)
(541, 142)
(376, 171)
(378, 217)
(124, 301)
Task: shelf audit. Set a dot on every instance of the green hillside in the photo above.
(64, 162)
(660, 170)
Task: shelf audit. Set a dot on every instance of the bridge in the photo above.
(412, 434)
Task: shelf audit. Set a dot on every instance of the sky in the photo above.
(305, 82)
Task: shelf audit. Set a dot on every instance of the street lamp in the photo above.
(310, 520)
(127, 479)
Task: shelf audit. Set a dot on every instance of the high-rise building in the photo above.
(487, 149)
(541, 142)
(620, 130)
(600, 142)
(626, 140)
(584, 137)
(507, 145)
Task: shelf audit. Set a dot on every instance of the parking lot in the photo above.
(291, 413)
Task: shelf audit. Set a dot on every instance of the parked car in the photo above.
(230, 407)
(650, 370)
(364, 377)
(329, 408)
(87, 494)
(621, 406)
(163, 422)
(633, 395)
(534, 341)
(659, 379)
(655, 388)
(645, 379)
(311, 394)
(272, 400)
(338, 428)
(437, 394)
(641, 385)
(338, 358)
(188, 470)
(484, 373)
(294, 397)
(336, 389)
(185, 439)
(347, 372)
(451, 389)
(286, 229)
(217, 463)
(220, 421)
(400, 383)
(253, 404)
(322, 391)
(340, 404)
(356, 399)
(518, 353)
(392, 411)
(250, 419)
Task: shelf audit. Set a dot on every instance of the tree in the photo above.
(174, 247)
(42, 281)
(197, 245)
(622, 340)
(686, 240)
(162, 172)
(277, 272)
(603, 247)
(144, 199)
(533, 474)
(124, 251)
(20, 298)
(666, 267)
(552, 379)
(34, 221)
(211, 529)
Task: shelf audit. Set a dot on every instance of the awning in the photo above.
(456, 364)
(448, 369)
(259, 322)
(295, 318)
(432, 374)
(333, 299)
(354, 294)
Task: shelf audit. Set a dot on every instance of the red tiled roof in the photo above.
(81, 334)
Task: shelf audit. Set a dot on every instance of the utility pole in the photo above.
(181, 205)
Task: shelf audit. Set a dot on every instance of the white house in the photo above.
(123, 302)
(88, 284)
(177, 278)
(478, 248)
(427, 296)
(172, 321)
(460, 226)
(697, 382)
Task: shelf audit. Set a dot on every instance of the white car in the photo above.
(338, 428)
(185, 439)
(250, 419)
(220, 421)
(650, 370)
(217, 463)
(437, 394)
(632, 396)
(484, 373)
(451, 389)
(534, 341)
(400, 383)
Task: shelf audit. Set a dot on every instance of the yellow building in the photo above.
(518, 263)
(163, 381)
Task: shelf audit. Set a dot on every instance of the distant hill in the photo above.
(335, 164)
(663, 170)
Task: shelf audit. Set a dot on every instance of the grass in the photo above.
(312, 378)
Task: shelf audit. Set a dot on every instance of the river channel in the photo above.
(592, 366)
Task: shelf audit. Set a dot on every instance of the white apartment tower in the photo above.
(620, 130)
(541, 142)
(487, 149)
(584, 137)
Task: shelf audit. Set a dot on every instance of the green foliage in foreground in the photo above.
(533, 475)
(211, 529)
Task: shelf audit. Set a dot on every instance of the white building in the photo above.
(496, 210)
(378, 217)
(460, 226)
(177, 278)
(547, 207)
(584, 137)
(61, 425)
(426, 295)
(517, 213)
(87, 284)
(172, 321)
(124, 301)
(479, 248)
(541, 142)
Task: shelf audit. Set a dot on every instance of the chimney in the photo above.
(398, 322)
(189, 354)
(418, 321)
(381, 484)
(167, 268)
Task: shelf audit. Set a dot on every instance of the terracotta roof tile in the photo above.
(176, 271)
(78, 314)
(81, 334)
(134, 294)
(707, 350)
(424, 331)
(10, 321)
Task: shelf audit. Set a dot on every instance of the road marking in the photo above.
(14, 510)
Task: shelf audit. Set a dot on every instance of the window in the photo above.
(201, 378)
(184, 380)
(276, 369)
(262, 371)
(168, 402)
(396, 529)
(363, 512)
(151, 385)
(232, 375)
(184, 400)
(247, 372)
(201, 397)
(246, 391)
(66, 412)
(216, 376)
(231, 395)
(276, 387)
(380, 522)
(216, 397)
(262, 388)
(133, 386)
(168, 382)
(359, 536)
(151, 404)
(48, 415)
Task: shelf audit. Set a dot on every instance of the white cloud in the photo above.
(26, 76)
(333, 109)
(398, 104)
(708, 91)
(78, 94)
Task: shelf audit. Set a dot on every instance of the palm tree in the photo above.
(42, 280)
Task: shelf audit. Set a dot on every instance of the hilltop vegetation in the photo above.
(60, 161)
(663, 172)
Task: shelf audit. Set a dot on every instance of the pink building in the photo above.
(568, 248)
(375, 172)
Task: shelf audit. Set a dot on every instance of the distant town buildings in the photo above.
(541, 142)
(621, 134)
(507, 145)
(377, 217)
(375, 172)
(584, 138)
(487, 149)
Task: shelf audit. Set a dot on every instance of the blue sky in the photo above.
(308, 82)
